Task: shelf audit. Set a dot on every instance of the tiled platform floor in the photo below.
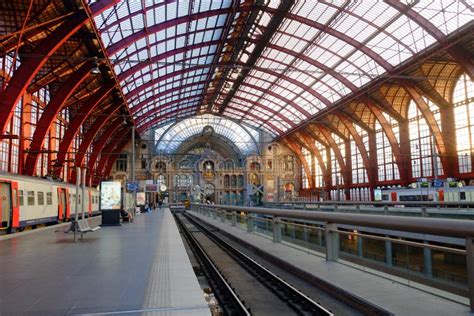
(138, 268)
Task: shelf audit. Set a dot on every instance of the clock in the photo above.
(208, 189)
(163, 188)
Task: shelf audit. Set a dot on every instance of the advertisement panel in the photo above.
(151, 187)
(110, 195)
(141, 198)
(377, 195)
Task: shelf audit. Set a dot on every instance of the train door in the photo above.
(393, 196)
(90, 203)
(68, 204)
(5, 205)
(62, 204)
(441, 195)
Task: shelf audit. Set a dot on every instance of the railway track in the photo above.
(257, 290)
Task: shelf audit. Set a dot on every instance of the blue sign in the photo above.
(132, 186)
(438, 183)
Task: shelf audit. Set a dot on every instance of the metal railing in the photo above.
(329, 226)
(461, 209)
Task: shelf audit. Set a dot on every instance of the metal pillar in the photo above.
(359, 246)
(332, 242)
(276, 229)
(83, 206)
(134, 193)
(427, 260)
(234, 218)
(249, 223)
(470, 269)
(388, 252)
(76, 215)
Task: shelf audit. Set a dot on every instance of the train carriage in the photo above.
(28, 201)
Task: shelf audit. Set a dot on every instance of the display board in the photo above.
(377, 195)
(141, 198)
(110, 195)
(151, 187)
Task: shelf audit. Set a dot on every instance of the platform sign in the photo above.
(438, 183)
(132, 186)
(151, 187)
(110, 195)
(141, 198)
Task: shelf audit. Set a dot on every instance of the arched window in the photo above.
(318, 172)
(226, 181)
(463, 97)
(336, 174)
(359, 173)
(422, 148)
(386, 163)
(305, 177)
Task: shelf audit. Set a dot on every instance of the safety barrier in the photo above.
(326, 229)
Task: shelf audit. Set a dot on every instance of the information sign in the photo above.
(132, 186)
(151, 187)
(141, 198)
(110, 195)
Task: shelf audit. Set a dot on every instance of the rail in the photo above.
(332, 221)
(379, 203)
(464, 210)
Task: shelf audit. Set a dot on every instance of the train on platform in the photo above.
(449, 192)
(30, 201)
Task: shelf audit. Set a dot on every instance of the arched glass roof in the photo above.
(171, 135)
(178, 58)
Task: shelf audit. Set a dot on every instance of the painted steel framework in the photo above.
(304, 71)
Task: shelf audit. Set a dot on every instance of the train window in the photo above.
(40, 198)
(21, 197)
(31, 197)
(15, 197)
(49, 198)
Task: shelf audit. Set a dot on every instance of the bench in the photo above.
(83, 227)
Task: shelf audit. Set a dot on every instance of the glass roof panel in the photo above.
(166, 53)
(170, 136)
(147, 40)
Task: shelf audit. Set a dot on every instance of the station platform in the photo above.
(387, 293)
(138, 268)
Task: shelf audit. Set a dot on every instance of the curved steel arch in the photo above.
(316, 63)
(28, 69)
(146, 115)
(132, 94)
(91, 103)
(147, 102)
(120, 20)
(454, 51)
(108, 149)
(162, 42)
(99, 144)
(126, 41)
(127, 73)
(196, 140)
(172, 125)
(159, 107)
(343, 37)
(50, 113)
(167, 76)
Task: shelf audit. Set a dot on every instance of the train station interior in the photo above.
(237, 157)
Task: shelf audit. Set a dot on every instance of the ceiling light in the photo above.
(95, 67)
